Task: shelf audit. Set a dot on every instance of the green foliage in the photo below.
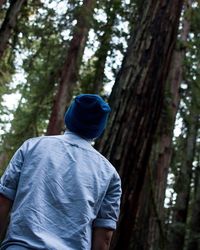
(38, 48)
(87, 75)
(112, 33)
(39, 39)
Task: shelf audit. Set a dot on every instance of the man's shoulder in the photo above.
(106, 162)
(43, 138)
(47, 140)
(40, 140)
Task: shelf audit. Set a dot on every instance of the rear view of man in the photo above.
(60, 192)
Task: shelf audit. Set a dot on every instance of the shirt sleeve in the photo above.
(109, 211)
(10, 178)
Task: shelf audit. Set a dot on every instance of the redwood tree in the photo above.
(70, 69)
(137, 101)
(153, 224)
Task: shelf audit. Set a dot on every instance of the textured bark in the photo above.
(141, 230)
(178, 228)
(69, 72)
(149, 229)
(3, 161)
(9, 23)
(137, 100)
(163, 149)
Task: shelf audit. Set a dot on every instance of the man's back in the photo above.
(63, 187)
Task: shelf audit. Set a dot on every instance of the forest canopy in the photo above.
(144, 59)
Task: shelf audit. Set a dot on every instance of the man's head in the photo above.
(87, 115)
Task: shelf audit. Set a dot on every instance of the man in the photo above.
(60, 192)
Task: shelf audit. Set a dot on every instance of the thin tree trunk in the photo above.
(102, 52)
(69, 72)
(9, 23)
(136, 101)
(178, 228)
(194, 236)
(3, 161)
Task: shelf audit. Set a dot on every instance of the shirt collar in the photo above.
(78, 140)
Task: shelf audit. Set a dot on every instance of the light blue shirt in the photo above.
(61, 188)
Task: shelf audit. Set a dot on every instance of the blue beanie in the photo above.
(87, 115)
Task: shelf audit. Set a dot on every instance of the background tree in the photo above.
(118, 14)
(39, 54)
(149, 230)
(38, 65)
(185, 159)
(193, 239)
(9, 23)
(70, 69)
(140, 135)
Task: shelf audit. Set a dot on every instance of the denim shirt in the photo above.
(61, 188)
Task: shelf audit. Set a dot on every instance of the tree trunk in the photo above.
(136, 101)
(69, 72)
(178, 227)
(102, 52)
(93, 81)
(3, 161)
(194, 236)
(141, 227)
(163, 149)
(9, 23)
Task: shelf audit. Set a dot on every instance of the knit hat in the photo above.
(87, 115)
